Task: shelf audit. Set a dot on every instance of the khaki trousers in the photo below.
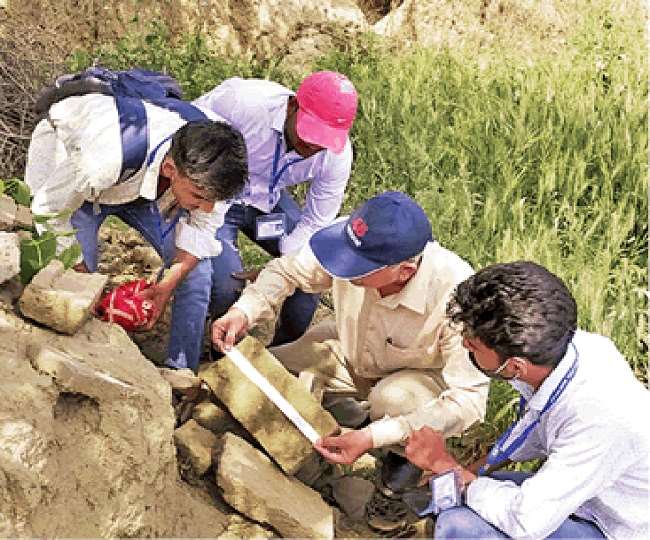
(319, 351)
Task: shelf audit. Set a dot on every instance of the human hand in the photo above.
(158, 295)
(81, 268)
(426, 448)
(346, 448)
(227, 328)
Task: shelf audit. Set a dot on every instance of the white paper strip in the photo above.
(272, 393)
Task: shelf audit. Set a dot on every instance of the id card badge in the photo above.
(270, 226)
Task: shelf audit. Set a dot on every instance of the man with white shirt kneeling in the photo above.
(581, 410)
(77, 162)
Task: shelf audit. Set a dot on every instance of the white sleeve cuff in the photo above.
(196, 241)
(292, 243)
(389, 431)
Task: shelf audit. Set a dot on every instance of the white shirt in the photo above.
(258, 109)
(596, 444)
(76, 155)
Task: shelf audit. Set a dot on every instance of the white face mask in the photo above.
(520, 386)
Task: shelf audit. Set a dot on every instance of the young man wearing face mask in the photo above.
(582, 411)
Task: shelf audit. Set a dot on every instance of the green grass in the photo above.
(542, 159)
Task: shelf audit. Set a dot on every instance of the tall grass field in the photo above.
(513, 158)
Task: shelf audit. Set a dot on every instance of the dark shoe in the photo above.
(388, 516)
(347, 411)
(398, 475)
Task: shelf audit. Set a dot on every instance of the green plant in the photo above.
(37, 252)
(17, 190)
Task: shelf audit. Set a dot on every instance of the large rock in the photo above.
(9, 256)
(478, 23)
(86, 439)
(260, 28)
(61, 299)
(196, 444)
(259, 415)
(239, 527)
(252, 484)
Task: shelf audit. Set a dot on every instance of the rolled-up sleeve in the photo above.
(196, 233)
(278, 280)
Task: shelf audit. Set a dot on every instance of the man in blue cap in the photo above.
(390, 342)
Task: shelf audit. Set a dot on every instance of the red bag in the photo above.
(124, 307)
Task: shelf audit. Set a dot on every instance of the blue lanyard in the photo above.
(275, 174)
(177, 217)
(172, 223)
(498, 454)
(153, 153)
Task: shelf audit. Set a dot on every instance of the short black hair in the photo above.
(517, 309)
(213, 155)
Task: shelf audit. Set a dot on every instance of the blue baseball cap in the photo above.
(385, 230)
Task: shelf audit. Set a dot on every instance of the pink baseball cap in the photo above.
(327, 106)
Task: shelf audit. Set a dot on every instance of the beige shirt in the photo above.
(406, 330)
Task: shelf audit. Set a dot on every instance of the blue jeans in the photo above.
(463, 522)
(297, 310)
(214, 275)
(188, 316)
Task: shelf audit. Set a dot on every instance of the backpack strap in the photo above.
(134, 130)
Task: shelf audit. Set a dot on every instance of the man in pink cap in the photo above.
(290, 138)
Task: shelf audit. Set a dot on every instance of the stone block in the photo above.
(87, 440)
(23, 217)
(213, 417)
(254, 486)
(239, 527)
(259, 415)
(9, 256)
(196, 444)
(7, 213)
(182, 381)
(61, 299)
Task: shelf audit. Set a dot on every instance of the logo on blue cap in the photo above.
(386, 230)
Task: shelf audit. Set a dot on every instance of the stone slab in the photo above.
(7, 213)
(254, 486)
(239, 527)
(196, 443)
(61, 299)
(259, 415)
(213, 417)
(182, 381)
(9, 256)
